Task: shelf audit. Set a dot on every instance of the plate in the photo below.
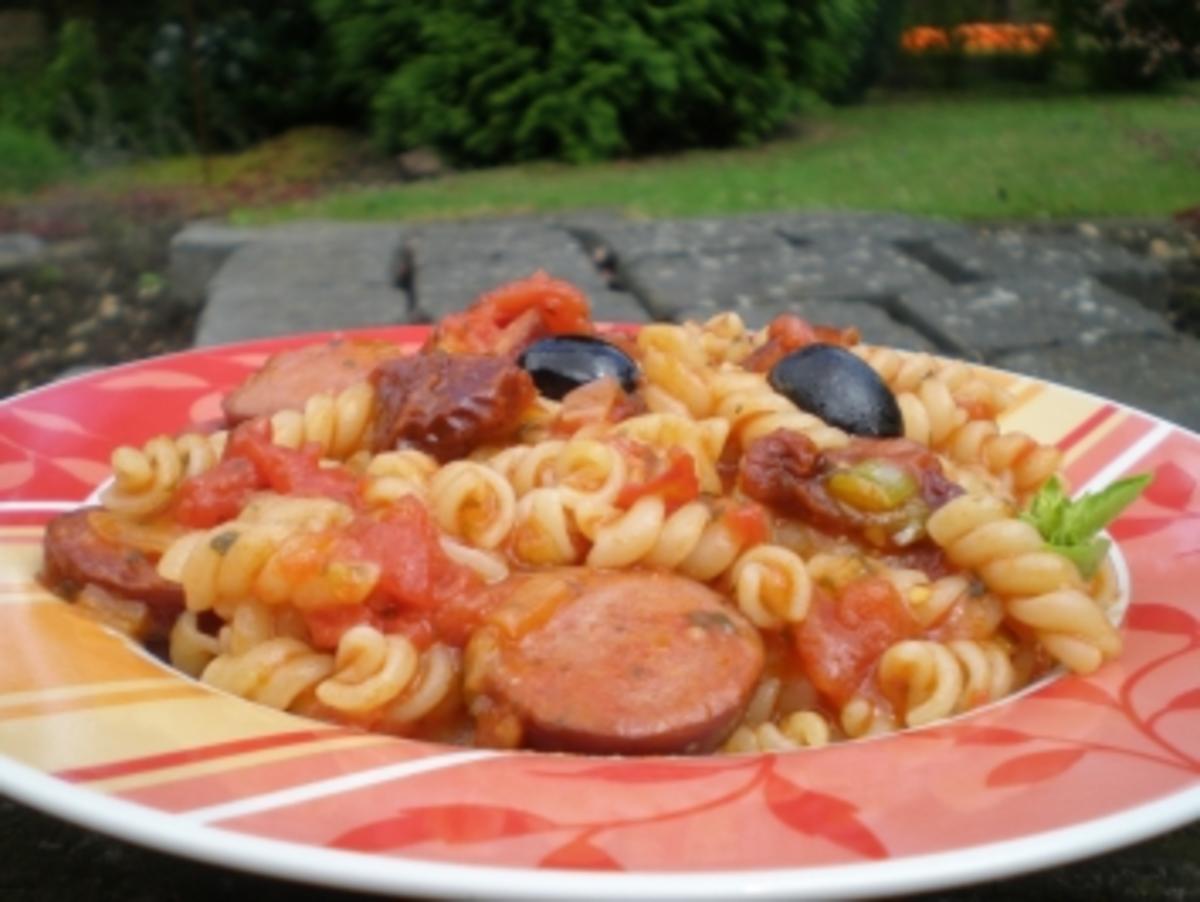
(96, 731)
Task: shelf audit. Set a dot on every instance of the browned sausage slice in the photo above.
(618, 663)
(76, 554)
(290, 378)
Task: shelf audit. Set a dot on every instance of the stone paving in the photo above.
(1070, 307)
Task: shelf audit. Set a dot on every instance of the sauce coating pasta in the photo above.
(687, 562)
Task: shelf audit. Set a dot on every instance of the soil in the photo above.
(96, 300)
(101, 296)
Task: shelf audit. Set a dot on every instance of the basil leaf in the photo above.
(1069, 527)
(1048, 508)
(1091, 513)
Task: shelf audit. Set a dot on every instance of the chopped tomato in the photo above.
(844, 635)
(507, 319)
(416, 580)
(677, 484)
(327, 625)
(290, 472)
(404, 543)
(747, 521)
(219, 494)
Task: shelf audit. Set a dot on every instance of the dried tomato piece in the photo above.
(448, 404)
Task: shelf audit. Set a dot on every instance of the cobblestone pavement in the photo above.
(1069, 306)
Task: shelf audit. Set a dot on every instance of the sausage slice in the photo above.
(610, 662)
(290, 378)
(76, 554)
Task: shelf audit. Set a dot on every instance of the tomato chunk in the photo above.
(404, 543)
(206, 499)
(677, 484)
(507, 319)
(416, 579)
(844, 635)
(747, 521)
(291, 472)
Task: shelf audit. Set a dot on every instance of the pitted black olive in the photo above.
(829, 381)
(565, 362)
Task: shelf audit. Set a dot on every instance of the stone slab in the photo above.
(772, 273)
(453, 263)
(990, 318)
(632, 241)
(843, 225)
(197, 253)
(328, 278)
(19, 250)
(993, 254)
(1158, 375)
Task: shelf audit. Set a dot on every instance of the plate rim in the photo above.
(174, 835)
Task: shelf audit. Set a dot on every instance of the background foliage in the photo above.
(580, 81)
(488, 83)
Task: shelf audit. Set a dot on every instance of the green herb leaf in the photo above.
(1070, 527)
(1091, 513)
(1047, 509)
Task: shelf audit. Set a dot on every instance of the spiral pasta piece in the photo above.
(307, 514)
(370, 670)
(933, 418)
(270, 563)
(277, 672)
(249, 623)
(473, 502)
(929, 600)
(800, 729)
(527, 467)
(753, 409)
(437, 679)
(935, 680)
(189, 648)
(704, 440)
(544, 533)
(905, 371)
(592, 471)
(724, 338)
(772, 586)
(144, 479)
(392, 475)
(339, 423)
(489, 566)
(1040, 588)
(675, 369)
(861, 717)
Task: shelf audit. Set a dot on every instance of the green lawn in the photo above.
(970, 156)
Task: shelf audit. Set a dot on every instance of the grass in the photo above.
(966, 157)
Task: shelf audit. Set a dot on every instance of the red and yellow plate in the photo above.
(96, 731)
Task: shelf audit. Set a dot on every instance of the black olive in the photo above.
(565, 362)
(829, 381)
